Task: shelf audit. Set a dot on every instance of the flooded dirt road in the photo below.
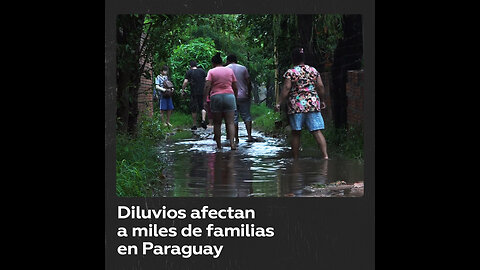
(195, 168)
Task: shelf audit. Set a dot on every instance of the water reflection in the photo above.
(302, 173)
(219, 174)
(260, 169)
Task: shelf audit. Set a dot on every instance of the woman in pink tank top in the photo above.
(221, 86)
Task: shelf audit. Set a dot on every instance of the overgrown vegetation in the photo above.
(264, 118)
(139, 170)
(261, 42)
(347, 142)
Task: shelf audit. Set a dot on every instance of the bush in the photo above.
(152, 127)
(201, 50)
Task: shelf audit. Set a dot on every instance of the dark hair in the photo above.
(193, 63)
(232, 58)
(298, 56)
(217, 59)
(164, 68)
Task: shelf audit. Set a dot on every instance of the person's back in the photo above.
(243, 97)
(303, 91)
(221, 78)
(196, 77)
(241, 74)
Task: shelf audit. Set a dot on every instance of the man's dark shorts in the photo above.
(196, 103)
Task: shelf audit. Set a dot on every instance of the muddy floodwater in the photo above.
(195, 168)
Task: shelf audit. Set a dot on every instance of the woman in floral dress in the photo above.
(303, 91)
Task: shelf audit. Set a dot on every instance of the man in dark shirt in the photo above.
(196, 77)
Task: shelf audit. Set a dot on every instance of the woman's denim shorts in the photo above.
(313, 121)
(223, 103)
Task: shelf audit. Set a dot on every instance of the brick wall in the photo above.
(355, 97)
(145, 95)
(354, 89)
(145, 90)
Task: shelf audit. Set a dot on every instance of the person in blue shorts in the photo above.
(304, 92)
(166, 103)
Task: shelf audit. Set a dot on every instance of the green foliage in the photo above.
(152, 128)
(129, 30)
(259, 110)
(328, 29)
(181, 119)
(174, 40)
(347, 142)
(201, 50)
(138, 169)
(264, 118)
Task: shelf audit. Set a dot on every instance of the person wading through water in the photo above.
(243, 98)
(304, 92)
(221, 85)
(196, 78)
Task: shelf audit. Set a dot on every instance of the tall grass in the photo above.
(139, 170)
(347, 142)
(264, 118)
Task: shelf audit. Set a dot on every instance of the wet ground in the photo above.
(195, 168)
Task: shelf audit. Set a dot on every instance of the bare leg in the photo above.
(161, 116)
(203, 123)
(248, 126)
(217, 124)
(236, 134)
(230, 125)
(194, 118)
(169, 113)
(204, 114)
(321, 142)
(295, 142)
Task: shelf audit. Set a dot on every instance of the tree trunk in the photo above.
(305, 28)
(129, 70)
(276, 22)
(122, 102)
